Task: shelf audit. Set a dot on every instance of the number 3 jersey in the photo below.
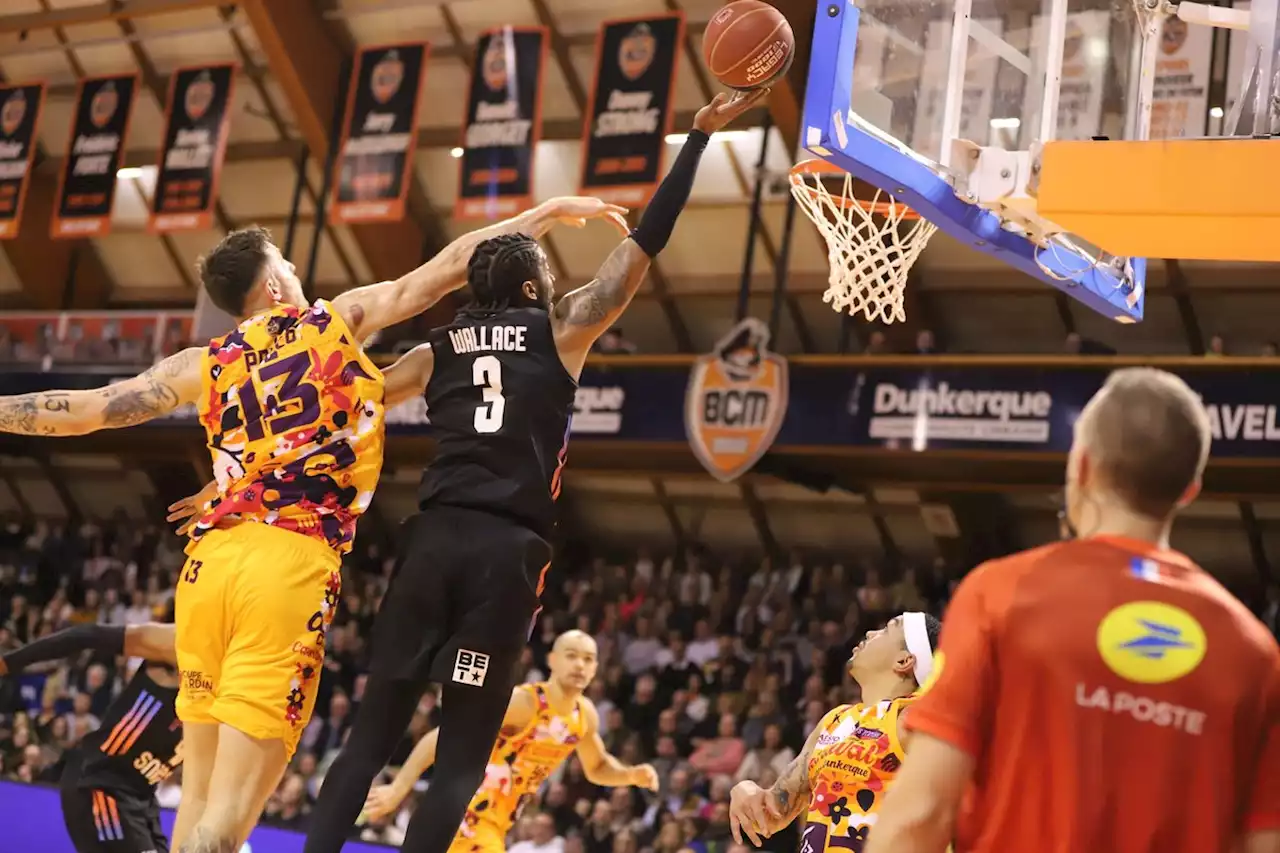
(499, 401)
(855, 759)
(293, 409)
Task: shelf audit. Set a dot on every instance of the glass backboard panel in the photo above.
(903, 73)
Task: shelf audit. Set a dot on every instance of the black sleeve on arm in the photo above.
(100, 638)
(659, 218)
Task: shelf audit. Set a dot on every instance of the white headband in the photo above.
(917, 635)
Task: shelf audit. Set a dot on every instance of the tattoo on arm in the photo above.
(614, 285)
(791, 791)
(64, 412)
(133, 406)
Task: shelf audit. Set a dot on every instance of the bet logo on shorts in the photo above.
(1151, 642)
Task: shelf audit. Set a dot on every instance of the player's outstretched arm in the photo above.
(385, 799)
(171, 383)
(583, 315)
(377, 306)
(407, 378)
(152, 641)
(601, 768)
(759, 812)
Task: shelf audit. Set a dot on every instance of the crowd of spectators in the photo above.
(712, 671)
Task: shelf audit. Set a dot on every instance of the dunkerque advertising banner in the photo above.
(952, 408)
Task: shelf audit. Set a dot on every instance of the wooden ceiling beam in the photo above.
(786, 101)
(306, 58)
(96, 13)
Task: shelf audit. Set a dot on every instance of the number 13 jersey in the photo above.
(499, 401)
(293, 409)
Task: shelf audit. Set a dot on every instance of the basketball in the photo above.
(748, 44)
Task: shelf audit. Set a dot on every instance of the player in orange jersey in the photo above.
(852, 756)
(293, 410)
(1102, 693)
(544, 723)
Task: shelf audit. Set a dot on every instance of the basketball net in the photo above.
(871, 245)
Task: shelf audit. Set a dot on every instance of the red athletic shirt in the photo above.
(1115, 698)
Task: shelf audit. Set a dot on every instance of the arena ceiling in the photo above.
(290, 54)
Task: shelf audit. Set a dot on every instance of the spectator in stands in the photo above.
(925, 343)
(542, 837)
(1217, 347)
(613, 342)
(722, 754)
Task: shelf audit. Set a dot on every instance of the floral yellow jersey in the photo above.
(520, 763)
(856, 756)
(293, 410)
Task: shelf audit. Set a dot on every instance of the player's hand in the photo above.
(190, 507)
(724, 108)
(382, 801)
(749, 813)
(644, 776)
(574, 211)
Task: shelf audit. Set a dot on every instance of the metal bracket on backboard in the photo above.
(1113, 289)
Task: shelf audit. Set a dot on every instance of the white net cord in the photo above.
(870, 246)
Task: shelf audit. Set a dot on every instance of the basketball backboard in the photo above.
(949, 104)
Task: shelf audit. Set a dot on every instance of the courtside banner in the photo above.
(99, 130)
(503, 123)
(379, 133)
(991, 409)
(195, 140)
(19, 122)
(631, 108)
(33, 820)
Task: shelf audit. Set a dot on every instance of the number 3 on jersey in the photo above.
(486, 374)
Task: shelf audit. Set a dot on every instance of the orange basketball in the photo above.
(748, 44)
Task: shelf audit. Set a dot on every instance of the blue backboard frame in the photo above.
(866, 156)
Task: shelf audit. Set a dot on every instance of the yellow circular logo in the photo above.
(932, 678)
(1150, 642)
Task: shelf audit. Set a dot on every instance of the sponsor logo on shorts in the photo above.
(307, 652)
(470, 668)
(1151, 642)
(195, 681)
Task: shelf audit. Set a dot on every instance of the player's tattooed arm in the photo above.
(757, 813)
(377, 306)
(172, 383)
(790, 794)
(407, 378)
(583, 315)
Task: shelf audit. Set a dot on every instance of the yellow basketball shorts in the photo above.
(485, 838)
(252, 607)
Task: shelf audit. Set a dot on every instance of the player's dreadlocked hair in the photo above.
(498, 269)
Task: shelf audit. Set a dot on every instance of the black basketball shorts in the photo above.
(102, 822)
(462, 599)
